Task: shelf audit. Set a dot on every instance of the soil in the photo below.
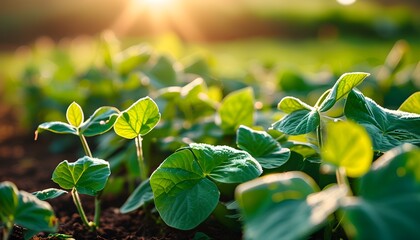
(28, 164)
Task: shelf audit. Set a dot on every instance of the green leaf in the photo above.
(236, 109)
(139, 119)
(99, 122)
(132, 58)
(184, 194)
(292, 104)
(25, 210)
(387, 128)
(264, 148)
(49, 193)
(184, 197)
(285, 206)
(74, 114)
(411, 104)
(34, 214)
(9, 201)
(298, 122)
(343, 86)
(56, 127)
(87, 175)
(389, 196)
(141, 195)
(225, 164)
(352, 150)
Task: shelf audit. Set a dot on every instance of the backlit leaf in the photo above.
(264, 148)
(389, 196)
(351, 150)
(411, 104)
(237, 109)
(87, 175)
(387, 128)
(343, 86)
(56, 127)
(74, 114)
(298, 122)
(291, 104)
(139, 119)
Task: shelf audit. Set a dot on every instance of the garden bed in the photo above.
(28, 164)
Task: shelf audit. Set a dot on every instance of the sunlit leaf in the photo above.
(132, 58)
(351, 150)
(298, 122)
(264, 148)
(343, 86)
(87, 175)
(49, 193)
(387, 128)
(285, 206)
(291, 104)
(74, 114)
(139, 119)
(388, 198)
(141, 195)
(56, 127)
(411, 104)
(237, 109)
(184, 195)
(99, 122)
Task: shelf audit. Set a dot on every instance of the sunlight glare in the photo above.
(346, 2)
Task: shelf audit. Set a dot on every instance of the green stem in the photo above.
(140, 159)
(78, 203)
(6, 232)
(319, 135)
(85, 145)
(97, 198)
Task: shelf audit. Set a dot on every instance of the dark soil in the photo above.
(29, 165)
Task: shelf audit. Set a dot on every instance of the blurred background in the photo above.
(108, 52)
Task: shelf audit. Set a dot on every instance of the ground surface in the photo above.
(27, 163)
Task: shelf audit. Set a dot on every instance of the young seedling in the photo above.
(25, 210)
(101, 121)
(184, 187)
(135, 122)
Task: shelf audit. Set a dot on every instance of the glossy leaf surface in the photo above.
(49, 193)
(99, 122)
(387, 128)
(87, 175)
(184, 195)
(141, 195)
(264, 148)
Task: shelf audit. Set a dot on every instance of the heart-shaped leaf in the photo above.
(343, 86)
(298, 122)
(411, 104)
(237, 109)
(285, 206)
(139, 119)
(49, 193)
(141, 195)
(292, 104)
(184, 194)
(99, 122)
(264, 148)
(389, 196)
(387, 128)
(87, 175)
(352, 150)
(74, 114)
